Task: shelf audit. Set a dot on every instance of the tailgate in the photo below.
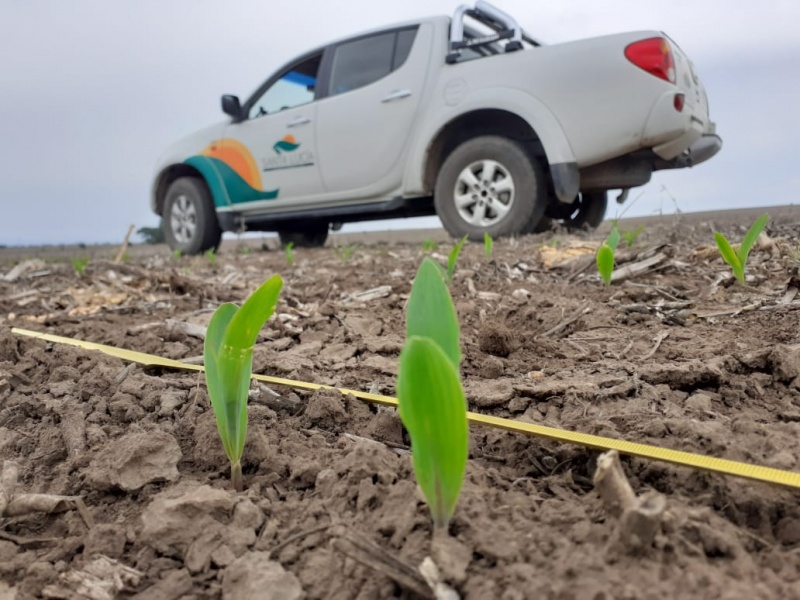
(689, 83)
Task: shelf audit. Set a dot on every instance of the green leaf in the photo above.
(488, 243)
(605, 262)
(430, 312)
(235, 366)
(631, 235)
(255, 312)
(453, 258)
(228, 358)
(613, 239)
(434, 410)
(730, 256)
(215, 380)
(750, 239)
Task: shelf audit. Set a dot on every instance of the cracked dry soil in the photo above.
(678, 356)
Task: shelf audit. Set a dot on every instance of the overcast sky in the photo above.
(91, 92)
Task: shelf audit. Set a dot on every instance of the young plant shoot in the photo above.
(79, 265)
(453, 258)
(211, 257)
(430, 245)
(345, 253)
(228, 357)
(288, 252)
(487, 245)
(737, 259)
(432, 404)
(631, 235)
(605, 256)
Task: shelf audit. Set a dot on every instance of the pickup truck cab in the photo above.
(466, 117)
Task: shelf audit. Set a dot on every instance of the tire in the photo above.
(589, 210)
(189, 218)
(544, 224)
(306, 235)
(509, 201)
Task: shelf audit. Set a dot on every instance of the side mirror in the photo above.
(232, 107)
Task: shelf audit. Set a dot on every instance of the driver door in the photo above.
(278, 140)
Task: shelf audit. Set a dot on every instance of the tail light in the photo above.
(654, 55)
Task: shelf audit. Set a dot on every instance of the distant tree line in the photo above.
(151, 235)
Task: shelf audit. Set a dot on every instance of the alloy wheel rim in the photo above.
(183, 219)
(484, 193)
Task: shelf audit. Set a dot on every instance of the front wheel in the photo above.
(190, 219)
(489, 184)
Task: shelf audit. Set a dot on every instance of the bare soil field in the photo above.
(114, 483)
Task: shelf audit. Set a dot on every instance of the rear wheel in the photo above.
(305, 235)
(588, 210)
(489, 184)
(190, 219)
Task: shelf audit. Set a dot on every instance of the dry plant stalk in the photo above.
(375, 557)
(124, 247)
(13, 504)
(639, 517)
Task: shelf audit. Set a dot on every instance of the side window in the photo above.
(296, 86)
(366, 60)
(405, 39)
(361, 62)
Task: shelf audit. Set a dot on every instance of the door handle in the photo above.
(298, 121)
(397, 95)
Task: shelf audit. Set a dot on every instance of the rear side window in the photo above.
(366, 60)
(405, 39)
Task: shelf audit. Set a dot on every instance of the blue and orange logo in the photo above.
(287, 144)
(231, 172)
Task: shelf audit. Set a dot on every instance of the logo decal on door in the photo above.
(287, 155)
(231, 173)
(287, 144)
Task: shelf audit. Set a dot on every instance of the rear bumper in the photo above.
(704, 148)
(700, 151)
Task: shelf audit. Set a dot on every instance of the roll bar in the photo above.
(503, 24)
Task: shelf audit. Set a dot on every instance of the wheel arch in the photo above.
(487, 121)
(200, 169)
(165, 178)
(520, 117)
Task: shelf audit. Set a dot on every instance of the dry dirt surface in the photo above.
(114, 483)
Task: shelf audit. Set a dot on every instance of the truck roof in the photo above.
(440, 19)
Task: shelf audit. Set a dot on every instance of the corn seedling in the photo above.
(345, 253)
(79, 265)
(177, 254)
(488, 244)
(430, 245)
(288, 251)
(228, 358)
(452, 259)
(211, 257)
(630, 235)
(737, 259)
(432, 404)
(605, 256)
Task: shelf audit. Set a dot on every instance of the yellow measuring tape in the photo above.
(685, 459)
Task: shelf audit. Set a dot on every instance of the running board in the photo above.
(396, 208)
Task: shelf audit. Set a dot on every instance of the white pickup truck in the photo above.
(468, 118)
